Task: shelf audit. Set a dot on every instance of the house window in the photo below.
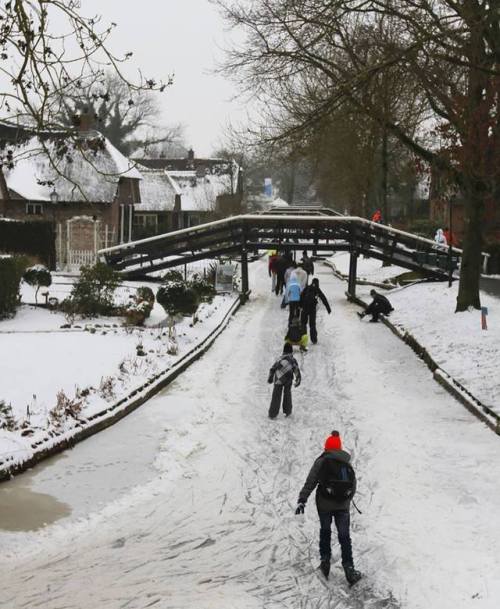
(146, 221)
(34, 209)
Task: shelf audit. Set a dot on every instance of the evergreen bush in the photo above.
(176, 297)
(140, 306)
(11, 271)
(203, 288)
(38, 276)
(93, 293)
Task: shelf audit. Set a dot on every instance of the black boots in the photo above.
(325, 568)
(351, 574)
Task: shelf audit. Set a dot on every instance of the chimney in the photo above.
(190, 154)
(85, 121)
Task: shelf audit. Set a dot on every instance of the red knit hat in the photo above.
(333, 442)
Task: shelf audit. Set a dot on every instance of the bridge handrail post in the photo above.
(353, 264)
(244, 268)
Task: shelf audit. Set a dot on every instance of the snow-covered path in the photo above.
(215, 529)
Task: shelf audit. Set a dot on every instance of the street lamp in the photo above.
(54, 200)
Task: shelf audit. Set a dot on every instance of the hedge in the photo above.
(30, 237)
(11, 270)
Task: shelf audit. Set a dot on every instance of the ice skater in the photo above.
(334, 479)
(282, 373)
(308, 303)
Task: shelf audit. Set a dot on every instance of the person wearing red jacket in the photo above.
(450, 237)
(377, 216)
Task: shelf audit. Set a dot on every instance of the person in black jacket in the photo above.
(281, 265)
(379, 304)
(309, 302)
(335, 481)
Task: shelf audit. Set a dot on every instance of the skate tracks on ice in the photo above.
(215, 526)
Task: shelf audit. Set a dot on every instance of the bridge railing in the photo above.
(322, 233)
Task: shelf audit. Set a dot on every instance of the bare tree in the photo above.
(39, 63)
(309, 51)
(127, 118)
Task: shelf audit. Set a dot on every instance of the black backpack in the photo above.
(337, 480)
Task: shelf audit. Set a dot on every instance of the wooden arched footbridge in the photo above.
(312, 229)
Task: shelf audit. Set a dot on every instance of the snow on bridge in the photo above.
(321, 233)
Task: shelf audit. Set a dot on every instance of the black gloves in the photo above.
(270, 378)
(300, 508)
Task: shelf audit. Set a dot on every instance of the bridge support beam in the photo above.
(244, 275)
(353, 266)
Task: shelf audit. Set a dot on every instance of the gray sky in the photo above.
(182, 37)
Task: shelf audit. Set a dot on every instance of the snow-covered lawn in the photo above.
(92, 364)
(456, 341)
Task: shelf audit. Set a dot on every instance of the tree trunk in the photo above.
(4, 191)
(385, 170)
(475, 153)
(470, 269)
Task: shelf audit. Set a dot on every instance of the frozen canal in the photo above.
(189, 502)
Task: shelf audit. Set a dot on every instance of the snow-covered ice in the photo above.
(456, 342)
(212, 525)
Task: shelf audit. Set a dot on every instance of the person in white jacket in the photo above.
(301, 277)
(439, 237)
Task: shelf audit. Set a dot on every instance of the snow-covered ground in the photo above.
(212, 526)
(94, 363)
(456, 341)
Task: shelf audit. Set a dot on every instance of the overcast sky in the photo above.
(182, 37)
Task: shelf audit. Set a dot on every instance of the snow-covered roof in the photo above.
(158, 191)
(200, 193)
(90, 171)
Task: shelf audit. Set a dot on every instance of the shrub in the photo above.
(172, 275)
(38, 276)
(178, 298)
(7, 420)
(139, 307)
(203, 288)
(11, 270)
(65, 408)
(147, 294)
(107, 388)
(136, 312)
(93, 293)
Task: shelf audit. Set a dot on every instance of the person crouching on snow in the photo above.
(380, 304)
(281, 374)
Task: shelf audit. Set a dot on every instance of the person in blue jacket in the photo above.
(292, 296)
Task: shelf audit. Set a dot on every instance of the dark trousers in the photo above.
(311, 317)
(278, 391)
(280, 283)
(294, 309)
(342, 522)
(374, 309)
